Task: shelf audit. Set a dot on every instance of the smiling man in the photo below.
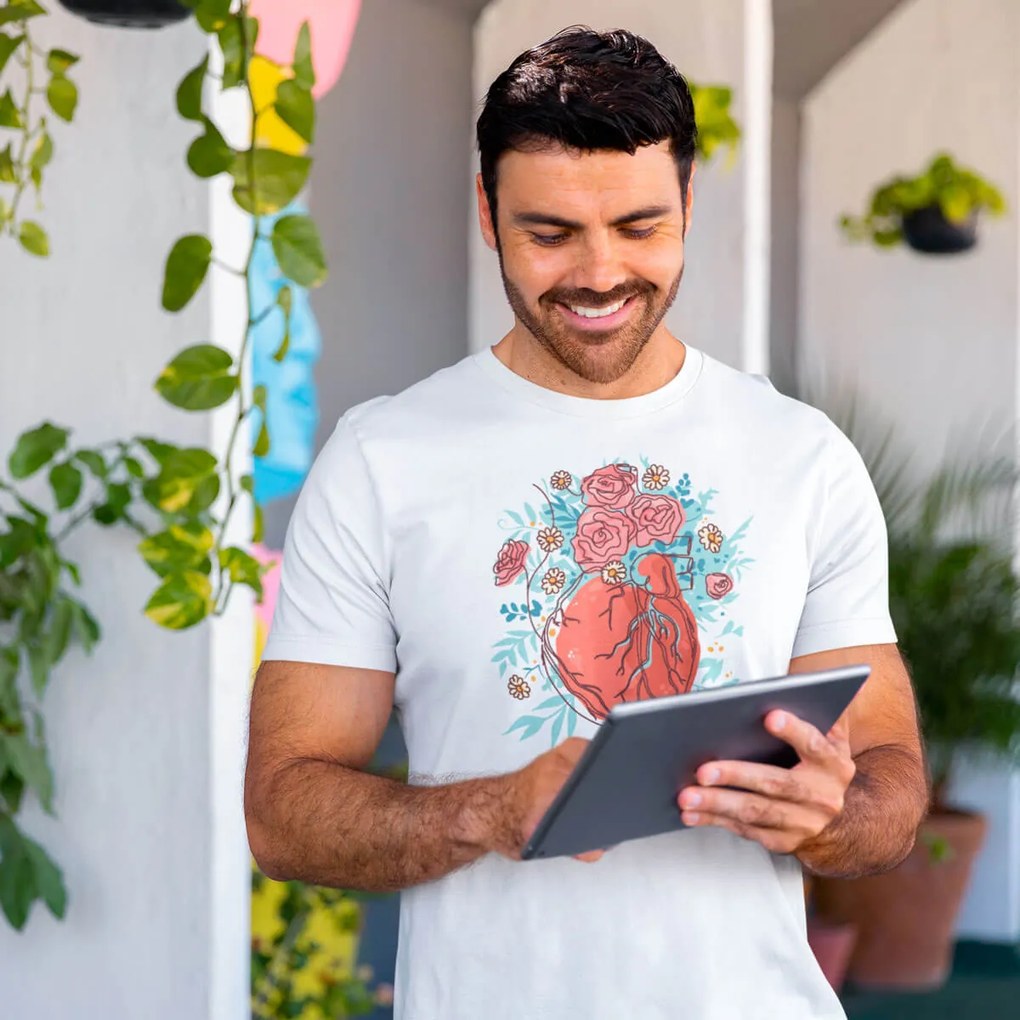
(589, 512)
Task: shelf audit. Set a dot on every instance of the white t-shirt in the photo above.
(523, 559)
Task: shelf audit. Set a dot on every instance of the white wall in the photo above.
(931, 341)
(145, 752)
(722, 306)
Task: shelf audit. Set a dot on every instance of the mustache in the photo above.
(596, 299)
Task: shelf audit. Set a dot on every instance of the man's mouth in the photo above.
(591, 318)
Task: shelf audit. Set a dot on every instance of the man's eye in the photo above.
(549, 240)
(637, 235)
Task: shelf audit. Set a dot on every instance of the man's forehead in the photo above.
(555, 175)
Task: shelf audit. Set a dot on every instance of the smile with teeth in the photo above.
(597, 313)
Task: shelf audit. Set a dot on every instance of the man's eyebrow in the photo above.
(549, 220)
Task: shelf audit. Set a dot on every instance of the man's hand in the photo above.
(782, 809)
(510, 819)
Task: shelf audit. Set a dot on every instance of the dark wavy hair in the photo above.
(587, 90)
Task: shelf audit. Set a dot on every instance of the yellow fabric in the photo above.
(264, 78)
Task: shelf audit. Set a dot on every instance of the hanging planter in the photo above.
(935, 212)
(129, 13)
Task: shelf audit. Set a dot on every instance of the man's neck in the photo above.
(659, 361)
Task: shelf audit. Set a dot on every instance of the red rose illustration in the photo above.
(602, 536)
(658, 518)
(628, 641)
(718, 585)
(510, 561)
(612, 486)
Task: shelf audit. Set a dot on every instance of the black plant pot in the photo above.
(129, 13)
(929, 231)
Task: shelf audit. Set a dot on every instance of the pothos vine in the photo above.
(177, 500)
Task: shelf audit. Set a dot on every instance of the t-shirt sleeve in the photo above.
(333, 602)
(847, 600)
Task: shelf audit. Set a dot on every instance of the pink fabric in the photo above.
(331, 22)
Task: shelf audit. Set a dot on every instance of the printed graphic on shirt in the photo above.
(619, 582)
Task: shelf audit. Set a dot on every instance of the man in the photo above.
(589, 512)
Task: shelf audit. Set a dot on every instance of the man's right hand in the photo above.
(507, 820)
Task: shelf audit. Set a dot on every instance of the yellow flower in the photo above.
(614, 573)
(553, 581)
(561, 480)
(656, 477)
(518, 688)
(711, 537)
(550, 539)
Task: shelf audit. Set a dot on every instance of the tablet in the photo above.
(626, 783)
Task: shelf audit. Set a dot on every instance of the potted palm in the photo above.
(935, 212)
(953, 597)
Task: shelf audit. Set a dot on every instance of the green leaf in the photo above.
(10, 115)
(66, 482)
(296, 108)
(59, 634)
(35, 449)
(7, 172)
(180, 548)
(242, 568)
(184, 472)
(159, 451)
(284, 299)
(232, 43)
(186, 267)
(8, 44)
(49, 882)
(28, 761)
(258, 524)
(189, 92)
(86, 629)
(298, 250)
(181, 601)
(118, 496)
(304, 71)
(198, 379)
(259, 397)
(20, 10)
(247, 483)
(211, 15)
(279, 178)
(33, 238)
(17, 876)
(205, 494)
(262, 444)
(58, 61)
(209, 154)
(42, 152)
(94, 461)
(62, 95)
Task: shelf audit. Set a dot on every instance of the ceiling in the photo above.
(810, 35)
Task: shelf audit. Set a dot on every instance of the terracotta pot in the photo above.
(832, 945)
(906, 917)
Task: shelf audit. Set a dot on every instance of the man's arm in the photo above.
(314, 814)
(853, 804)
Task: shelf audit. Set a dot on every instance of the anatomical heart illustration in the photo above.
(618, 583)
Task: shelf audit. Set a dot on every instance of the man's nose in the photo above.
(600, 267)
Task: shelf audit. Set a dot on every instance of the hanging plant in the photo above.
(29, 148)
(129, 13)
(935, 212)
(178, 500)
(716, 126)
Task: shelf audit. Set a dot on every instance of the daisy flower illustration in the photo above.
(656, 477)
(549, 539)
(561, 480)
(614, 573)
(553, 581)
(518, 687)
(711, 537)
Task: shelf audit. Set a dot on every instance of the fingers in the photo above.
(738, 806)
(808, 741)
(776, 841)
(591, 856)
(782, 784)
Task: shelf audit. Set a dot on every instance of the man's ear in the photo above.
(689, 200)
(485, 214)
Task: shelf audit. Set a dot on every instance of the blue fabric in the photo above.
(292, 407)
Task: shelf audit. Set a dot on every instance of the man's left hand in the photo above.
(782, 809)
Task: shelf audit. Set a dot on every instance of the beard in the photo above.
(600, 357)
